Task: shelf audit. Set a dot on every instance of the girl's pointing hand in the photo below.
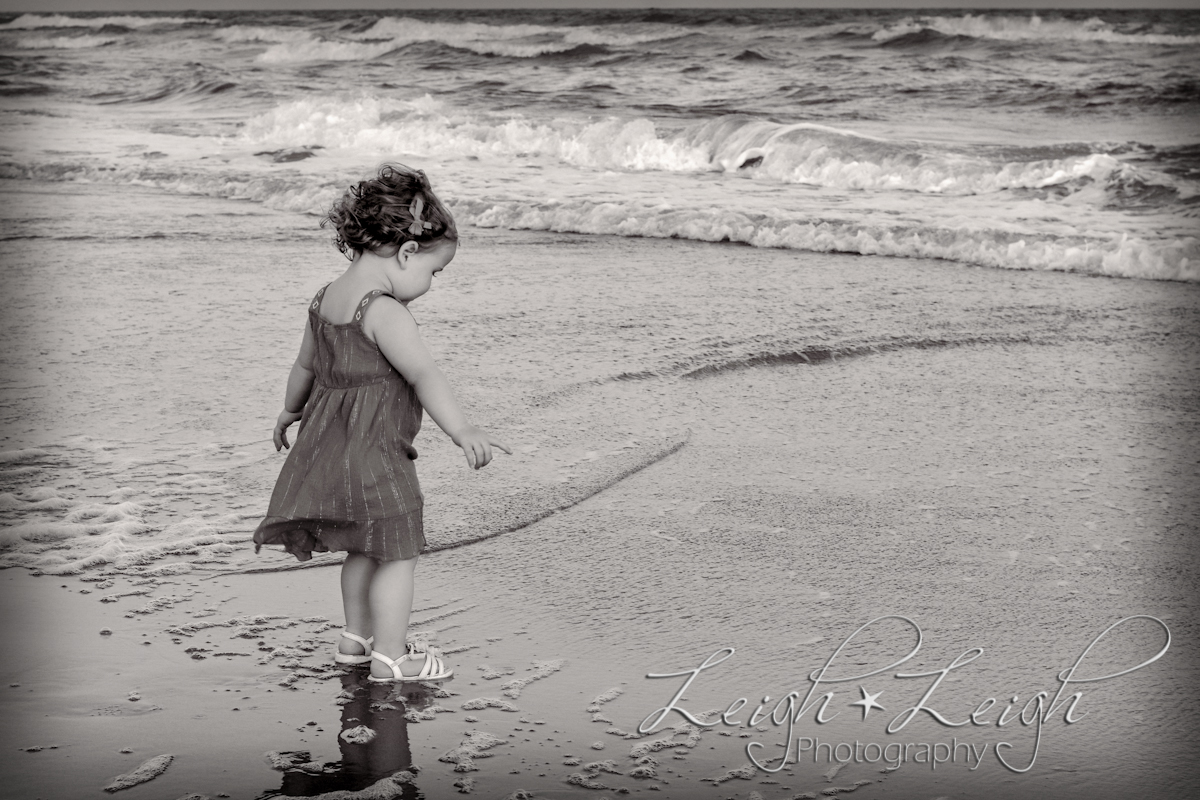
(477, 446)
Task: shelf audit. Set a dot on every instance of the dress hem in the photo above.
(396, 538)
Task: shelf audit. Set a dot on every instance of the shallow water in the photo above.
(1006, 459)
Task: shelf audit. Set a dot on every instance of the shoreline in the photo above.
(1018, 492)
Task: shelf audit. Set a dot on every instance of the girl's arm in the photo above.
(395, 331)
(299, 386)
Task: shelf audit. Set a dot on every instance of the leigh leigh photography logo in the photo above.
(1037, 712)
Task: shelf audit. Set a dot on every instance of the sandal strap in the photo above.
(433, 666)
(390, 663)
(354, 637)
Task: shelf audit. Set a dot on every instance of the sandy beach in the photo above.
(717, 447)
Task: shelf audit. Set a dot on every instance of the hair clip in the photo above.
(418, 225)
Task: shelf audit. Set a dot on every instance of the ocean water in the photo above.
(1008, 140)
(823, 402)
(165, 175)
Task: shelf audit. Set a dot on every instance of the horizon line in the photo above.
(44, 7)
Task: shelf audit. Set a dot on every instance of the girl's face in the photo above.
(416, 267)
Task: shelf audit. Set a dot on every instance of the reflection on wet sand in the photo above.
(373, 743)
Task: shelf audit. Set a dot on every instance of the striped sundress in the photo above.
(349, 482)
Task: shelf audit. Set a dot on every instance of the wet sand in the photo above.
(1005, 459)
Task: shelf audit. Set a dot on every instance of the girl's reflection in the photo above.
(365, 759)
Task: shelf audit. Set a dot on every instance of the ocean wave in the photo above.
(304, 195)
(235, 34)
(803, 153)
(415, 30)
(64, 42)
(28, 21)
(392, 33)
(312, 48)
(172, 90)
(972, 243)
(1007, 28)
(1115, 255)
(22, 88)
(24, 456)
(818, 155)
(470, 35)
(426, 125)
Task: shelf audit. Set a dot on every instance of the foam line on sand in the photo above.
(810, 354)
(816, 355)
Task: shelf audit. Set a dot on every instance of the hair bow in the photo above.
(418, 225)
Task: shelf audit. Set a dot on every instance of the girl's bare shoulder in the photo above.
(388, 316)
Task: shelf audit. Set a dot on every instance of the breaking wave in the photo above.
(1034, 28)
(30, 21)
(803, 153)
(64, 42)
(1114, 255)
(392, 33)
(1097, 254)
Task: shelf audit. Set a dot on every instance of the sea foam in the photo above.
(27, 21)
(1116, 255)
(1001, 246)
(64, 42)
(800, 153)
(1035, 27)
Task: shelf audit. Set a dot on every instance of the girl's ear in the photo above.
(406, 250)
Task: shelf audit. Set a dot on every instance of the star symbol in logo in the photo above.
(868, 702)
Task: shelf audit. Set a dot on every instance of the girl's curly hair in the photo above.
(377, 214)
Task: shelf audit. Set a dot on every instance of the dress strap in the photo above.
(365, 303)
(316, 303)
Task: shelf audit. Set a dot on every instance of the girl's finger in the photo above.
(502, 446)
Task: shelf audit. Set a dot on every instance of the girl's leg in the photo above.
(358, 571)
(391, 598)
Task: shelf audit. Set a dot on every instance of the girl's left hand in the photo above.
(477, 445)
(286, 418)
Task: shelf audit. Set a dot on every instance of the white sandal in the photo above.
(434, 669)
(344, 658)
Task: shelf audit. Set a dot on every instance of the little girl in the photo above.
(358, 388)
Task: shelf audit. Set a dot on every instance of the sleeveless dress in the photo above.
(349, 482)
